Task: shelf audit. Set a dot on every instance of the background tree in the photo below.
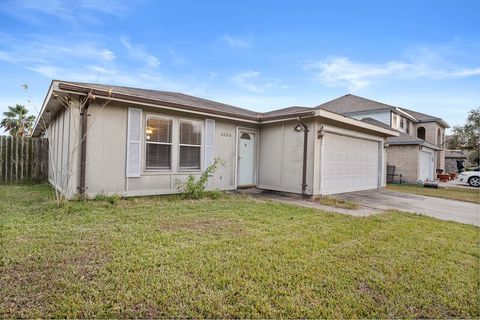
(17, 122)
(468, 136)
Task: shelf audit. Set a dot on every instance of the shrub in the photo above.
(113, 199)
(193, 187)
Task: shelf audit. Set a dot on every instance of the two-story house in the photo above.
(419, 149)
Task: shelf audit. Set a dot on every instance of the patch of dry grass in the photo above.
(337, 203)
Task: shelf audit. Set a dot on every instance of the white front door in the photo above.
(246, 159)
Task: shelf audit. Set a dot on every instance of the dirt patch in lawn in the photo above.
(337, 203)
(33, 284)
(366, 289)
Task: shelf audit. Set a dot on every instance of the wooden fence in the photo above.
(23, 159)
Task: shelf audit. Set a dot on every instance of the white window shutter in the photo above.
(209, 141)
(134, 140)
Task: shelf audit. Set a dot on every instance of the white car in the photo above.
(470, 177)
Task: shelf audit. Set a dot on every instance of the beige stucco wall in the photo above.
(106, 149)
(280, 153)
(281, 157)
(106, 154)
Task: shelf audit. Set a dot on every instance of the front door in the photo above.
(246, 159)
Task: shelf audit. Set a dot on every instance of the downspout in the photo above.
(301, 126)
(83, 145)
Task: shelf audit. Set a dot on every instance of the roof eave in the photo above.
(355, 122)
(415, 143)
(36, 130)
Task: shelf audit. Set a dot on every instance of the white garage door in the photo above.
(426, 165)
(349, 164)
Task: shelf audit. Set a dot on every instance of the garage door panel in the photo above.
(426, 165)
(349, 164)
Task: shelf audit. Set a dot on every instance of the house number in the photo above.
(225, 134)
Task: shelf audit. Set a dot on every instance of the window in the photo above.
(190, 145)
(421, 133)
(407, 130)
(439, 137)
(401, 122)
(245, 136)
(158, 143)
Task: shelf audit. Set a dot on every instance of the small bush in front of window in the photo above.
(193, 187)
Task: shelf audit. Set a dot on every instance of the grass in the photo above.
(453, 193)
(337, 203)
(230, 258)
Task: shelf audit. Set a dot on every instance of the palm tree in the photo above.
(17, 121)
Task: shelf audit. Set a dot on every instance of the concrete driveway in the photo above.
(452, 210)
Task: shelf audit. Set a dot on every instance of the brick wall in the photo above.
(405, 160)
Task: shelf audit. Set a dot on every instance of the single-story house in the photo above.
(418, 151)
(451, 159)
(119, 140)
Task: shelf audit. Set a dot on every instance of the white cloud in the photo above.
(40, 51)
(238, 42)
(74, 12)
(253, 81)
(341, 71)
(338, 71)
(212, 75)
(139, 53)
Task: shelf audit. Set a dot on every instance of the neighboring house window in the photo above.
(158, 143)
(401, 123)
(407, 130)
(394, 121)
(190, 145)
(421, 133)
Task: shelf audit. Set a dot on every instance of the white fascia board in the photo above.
(354, 122)
(44, 105)
(406, 114)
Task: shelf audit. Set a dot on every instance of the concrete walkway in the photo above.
(377, 201)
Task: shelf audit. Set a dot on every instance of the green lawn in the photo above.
(229, 258)
(453, 193)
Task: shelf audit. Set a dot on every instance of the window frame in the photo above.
(180, 145)
(162, 117)
(402, 123)
(394, 120)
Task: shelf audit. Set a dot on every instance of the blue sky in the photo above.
(261, 55)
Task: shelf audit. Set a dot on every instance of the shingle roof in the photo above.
(455, 154)
(350, 103)
(171, 97)
(379, 123)
(186, 101)
(421, 116)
